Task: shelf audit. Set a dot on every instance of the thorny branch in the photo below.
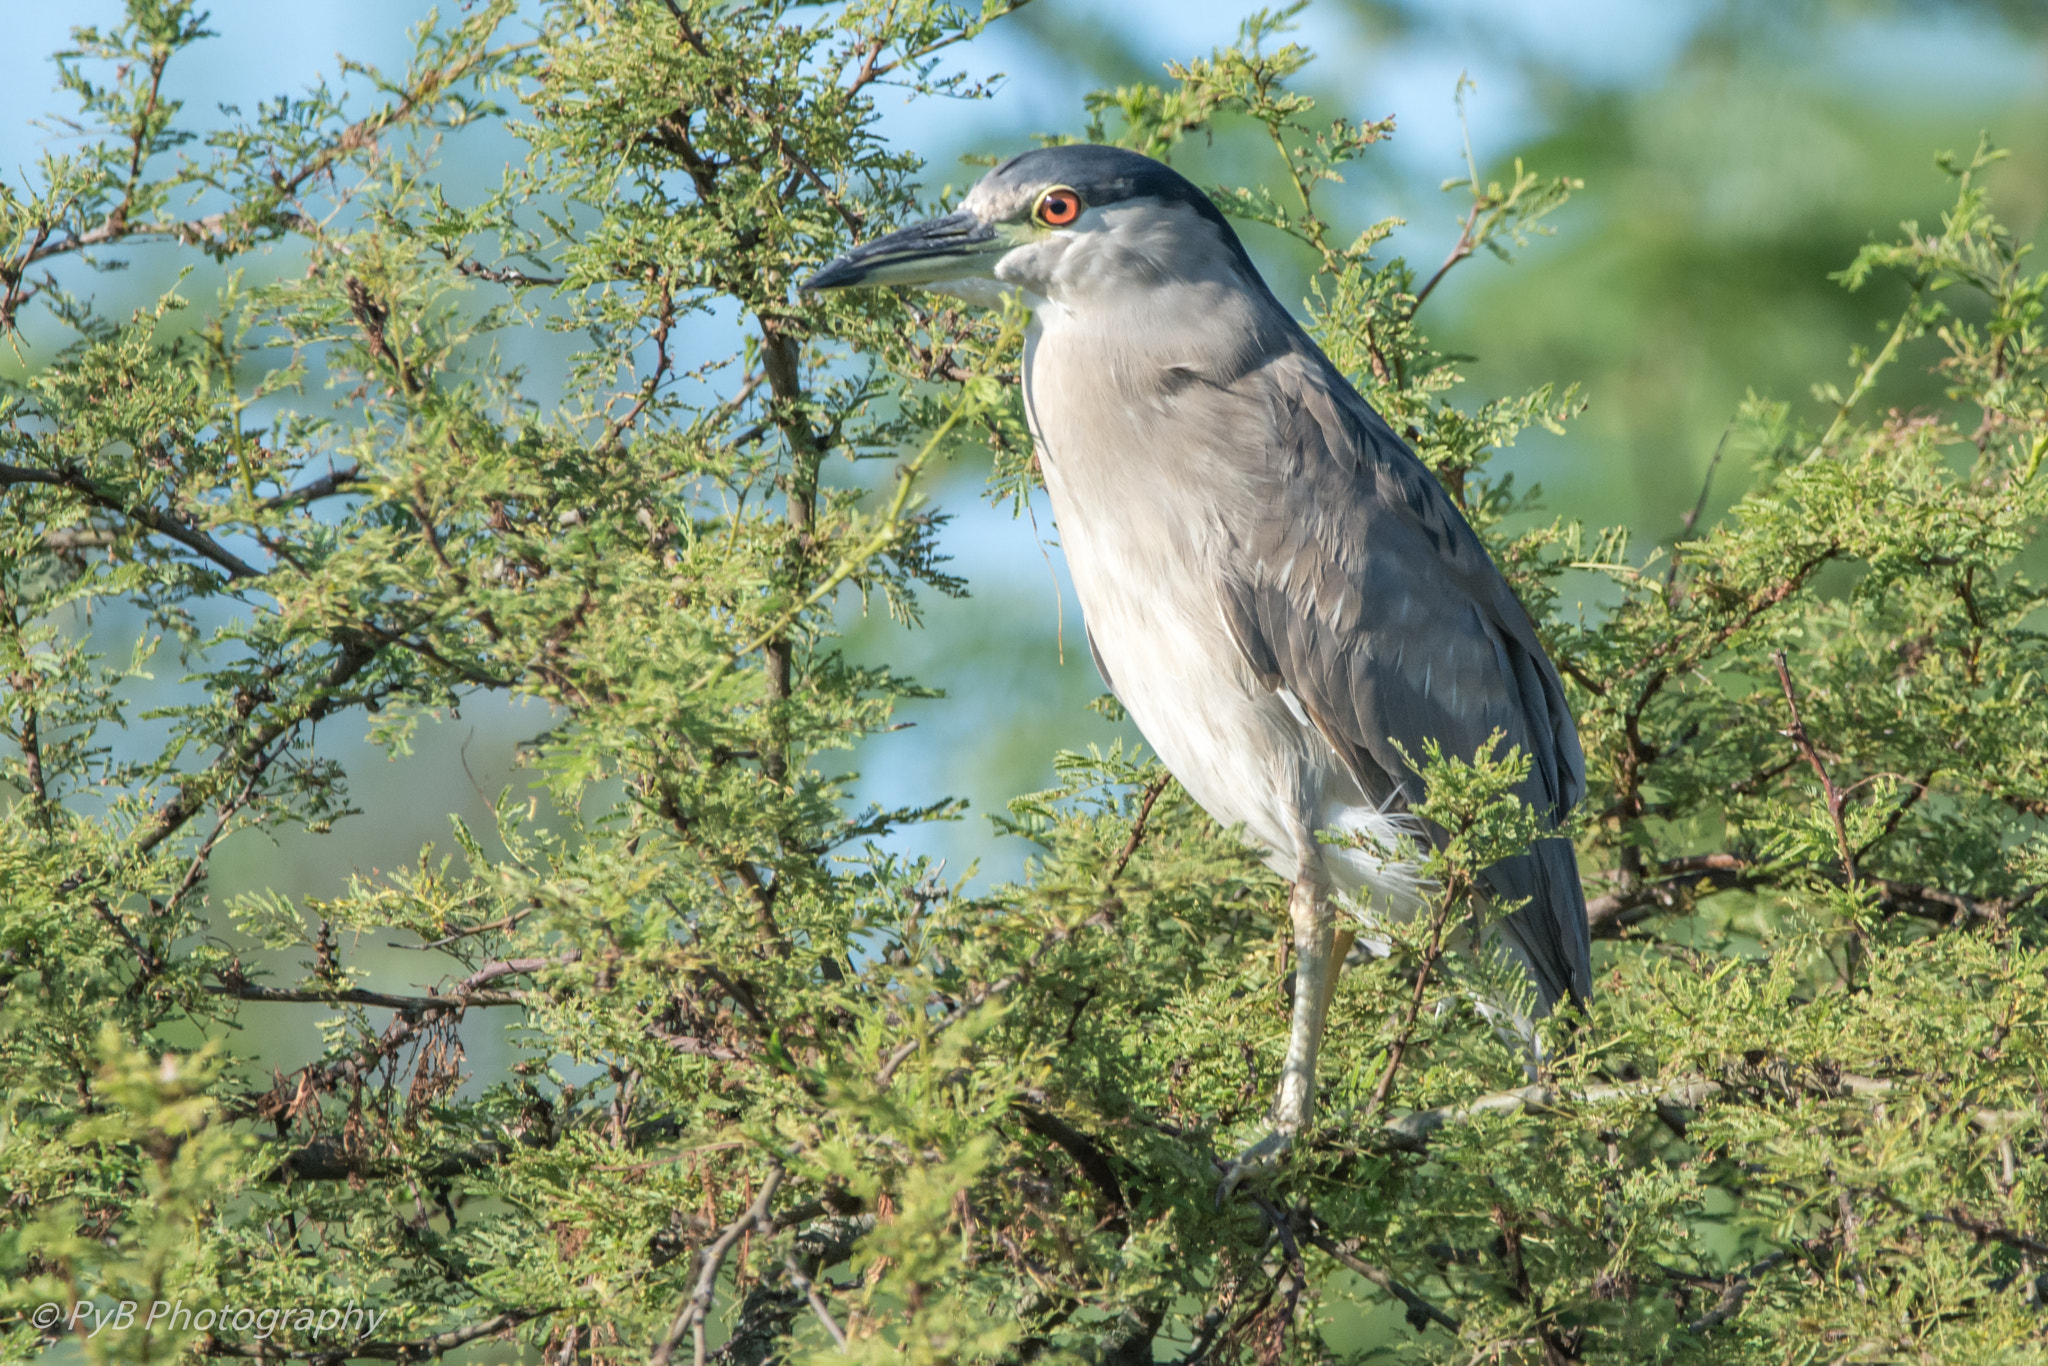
(465, 994)
(505, 275)
(1412, 1132)
(1611, 915)
(224, 821)
(1988, 1231)
(1123, 855)
(333, 482)
(149, 963)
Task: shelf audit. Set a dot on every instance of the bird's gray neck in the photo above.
(1141, 339)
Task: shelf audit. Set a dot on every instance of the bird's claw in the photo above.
(1261, 1156)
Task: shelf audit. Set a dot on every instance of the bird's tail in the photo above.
(1548, 933)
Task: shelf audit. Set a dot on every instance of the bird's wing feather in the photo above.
(1360, 589)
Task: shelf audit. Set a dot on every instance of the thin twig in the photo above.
(1463, 248)
(1733, 1294)
(196, 869)
(353, 657)
(691, 1046)
(1699, 507)
(429, 86)
(1468, 240)
(1398, 1049)
(503, 923)
(1836, 797)
(1914, 792)
(356, 996)
(1418, 1307)
(148, 961)
(897, 1056)
(690, 1318)
(505, 275)
(818, 1305)
(1123, 857)
(871, 72)
(333, 482)
(1867, 377)
(157, 520)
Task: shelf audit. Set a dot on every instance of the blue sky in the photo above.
(266, 49)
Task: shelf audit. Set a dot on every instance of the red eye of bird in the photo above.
(1058, 207)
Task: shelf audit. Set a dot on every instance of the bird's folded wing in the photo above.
(1359, 588)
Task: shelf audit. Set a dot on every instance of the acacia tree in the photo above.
(783, 1095)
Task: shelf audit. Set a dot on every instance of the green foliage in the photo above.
(778, 1093)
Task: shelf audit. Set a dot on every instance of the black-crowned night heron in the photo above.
(1277, 591)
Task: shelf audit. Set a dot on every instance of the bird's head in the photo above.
(1066, 224)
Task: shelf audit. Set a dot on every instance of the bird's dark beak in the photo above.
(955, 247)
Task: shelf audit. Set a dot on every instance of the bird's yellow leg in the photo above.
(1315, 975)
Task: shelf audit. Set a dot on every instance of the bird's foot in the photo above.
(1260, 1157)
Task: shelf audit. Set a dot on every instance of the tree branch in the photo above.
(1087, 1154)
(1836, 798)
(1420, 1311)
(1440, 914)
(1412, 1132)
(163, 523)
(1733, 1294)
(695, 1309)
(356, 996)
(504, 275)
(769, 1309)
(817, 1301)
(1466, 244)
(327, 485)
(1607, 916)
(1123, 856)
(355, 656)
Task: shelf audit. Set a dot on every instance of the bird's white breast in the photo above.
(1146, 521)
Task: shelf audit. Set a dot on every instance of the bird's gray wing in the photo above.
(1359, 588)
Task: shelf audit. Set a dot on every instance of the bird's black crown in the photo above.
(1105, 175)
